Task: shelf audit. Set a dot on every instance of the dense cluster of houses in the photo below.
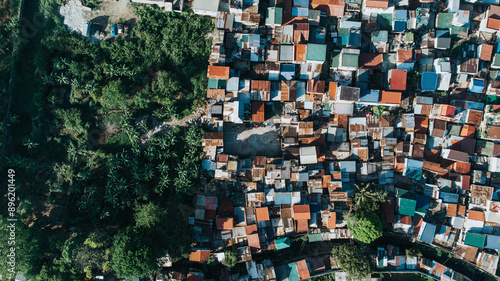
(321, 95)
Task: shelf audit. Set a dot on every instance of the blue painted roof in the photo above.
(300, 12)
(428, 233)
(399, 25)
(287, 72)
(442, 33)
(477, 86)
(355, 39)
(315, 208)
(283, 198)
(429, 81)
(270, 232)
(370, 96)
(423, 201)
(492, 242)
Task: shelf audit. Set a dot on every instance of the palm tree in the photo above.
(368, 199)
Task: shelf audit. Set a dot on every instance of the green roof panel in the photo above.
(407, 206)
(474, 239)
(350, 60)
(316, 52)
(315, 237)
(444, 20)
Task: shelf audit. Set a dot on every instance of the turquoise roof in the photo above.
(316, 52)
(282, 243)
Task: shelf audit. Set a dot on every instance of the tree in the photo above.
(230, 258)
(134, 255)
(353, 261)
(413, 252)
(148, 215)
(368, 199)
(167, 87)
(365, 227)
(114, 95)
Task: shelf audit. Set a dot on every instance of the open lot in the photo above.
(245, 140)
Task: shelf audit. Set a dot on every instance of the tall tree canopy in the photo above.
(368, 199)
(353, 261)
(365, 228)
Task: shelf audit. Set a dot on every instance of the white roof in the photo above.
(206, 5)
(494, 164)
(308, 155)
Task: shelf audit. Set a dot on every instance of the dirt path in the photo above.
(164, 127)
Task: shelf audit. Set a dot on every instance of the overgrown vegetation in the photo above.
(353, 261)
(93, 197)
(364, 220)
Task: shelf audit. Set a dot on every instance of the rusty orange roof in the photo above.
(199, 255)
(251, 229)
(218, 72)
(461, 210)
(405, 56)
(253, 240)
(468, 131)
(332, 87)
(216, 93)
(262, 214)
(330, 7)
(475, 117)
(300, 52)
(405, 220)
(486, 52)
(258, 111)
(303, 269)
(224, 223)
(452, 210)
(461, 167)
(476, 215)
(301, 212)
(302, 226)
(447, 110)
(332, 220)
(398, 79)
(389, 97)
(382, 4)
(493, 17)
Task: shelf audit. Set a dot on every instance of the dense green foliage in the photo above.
(353, 261)
(368, 199)
(364, 227)
(230, 258)
(101, 193)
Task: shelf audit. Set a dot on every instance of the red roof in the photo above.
(251, 229)
(258, 111)
(398, 79)
(199, 255)
(405, 56)
(262, 214)
(301, 212)
(388, 97)
(447, 110)
(224, 223)
(218, 72)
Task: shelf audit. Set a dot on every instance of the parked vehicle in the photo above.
(113, 30)
(120, 28)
